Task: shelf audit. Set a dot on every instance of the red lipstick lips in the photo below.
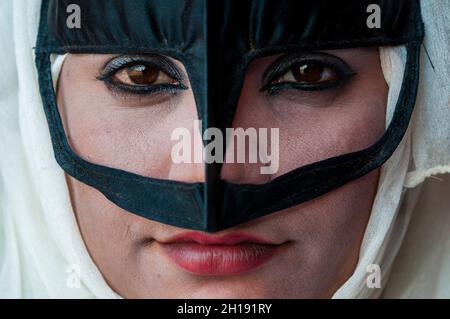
(203, 254)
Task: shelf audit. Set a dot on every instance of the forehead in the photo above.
(188, 26)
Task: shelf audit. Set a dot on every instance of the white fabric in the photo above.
(431, 134)
(42, 250)
(40, 243)
(385, 223)
(422, 258)
(422, 267)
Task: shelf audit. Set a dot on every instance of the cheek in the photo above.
(109, 130)
(101, 222)
(328, 232)
(314, 127)
(112, 237)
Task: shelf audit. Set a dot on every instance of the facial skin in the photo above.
(132, 132)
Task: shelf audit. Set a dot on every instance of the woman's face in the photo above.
(324, 103)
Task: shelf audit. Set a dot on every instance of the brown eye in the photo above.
(142, 75)
(309, 73)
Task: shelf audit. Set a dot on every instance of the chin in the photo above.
(231, 288)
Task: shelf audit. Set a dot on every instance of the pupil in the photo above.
(141, 74)
(311, 73)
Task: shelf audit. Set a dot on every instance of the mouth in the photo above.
(207, 255)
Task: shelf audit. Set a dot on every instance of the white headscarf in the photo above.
(43, 255)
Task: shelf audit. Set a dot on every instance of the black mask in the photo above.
(216, 41)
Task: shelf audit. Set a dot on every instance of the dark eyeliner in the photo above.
(291, 60)
(159, 62)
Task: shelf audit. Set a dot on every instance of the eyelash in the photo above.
(289, 62)
(277, 69)
(158, 62)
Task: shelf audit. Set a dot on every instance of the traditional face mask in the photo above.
(216, 41)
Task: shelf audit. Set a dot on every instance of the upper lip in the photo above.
(235, 238)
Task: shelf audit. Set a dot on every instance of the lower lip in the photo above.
(215, 260)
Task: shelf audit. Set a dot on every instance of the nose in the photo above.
(246, 123)
(191, 170)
